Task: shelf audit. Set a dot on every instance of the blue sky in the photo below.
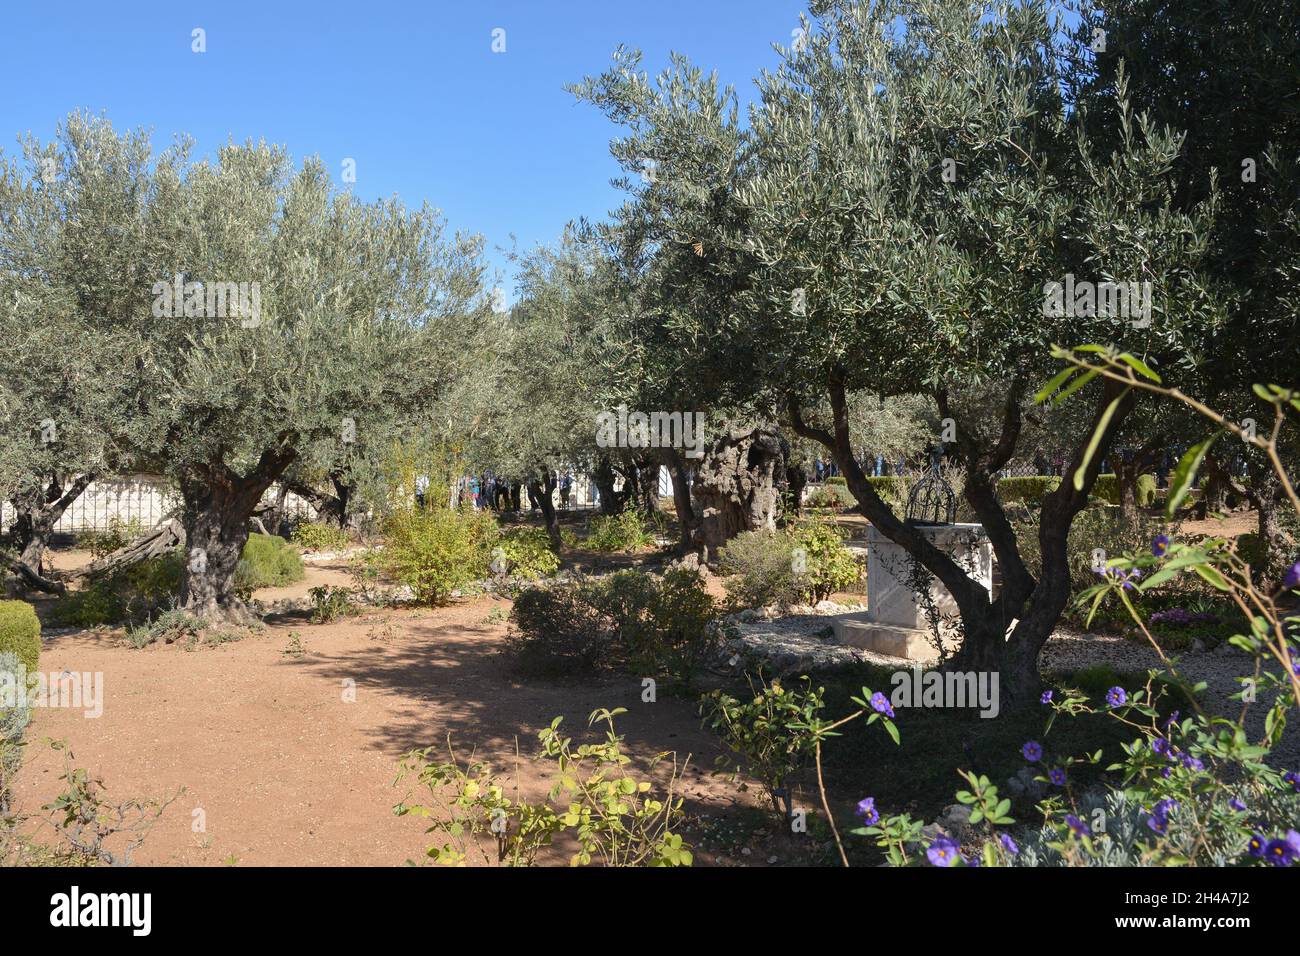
(412, 91)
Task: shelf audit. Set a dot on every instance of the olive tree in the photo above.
(267, 319)
(73, 237)
(912, 204)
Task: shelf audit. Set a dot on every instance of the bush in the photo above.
(317, 536)
(630, 620)
(759, 568)
(118, 535)
(629, 531)
(1028, 490)
(20, 633)
(609, 816)
(892, 488)
(802, 564)
(267, 561)
(1107, 489)
(557, 630)
(768, 735)
(130, 595)
(435, 551)
(20, 653)
(1098, 529)
(838, 480)
(527, 553)
(329, 603)
(823, 565)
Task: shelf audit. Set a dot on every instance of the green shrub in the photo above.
(822, 564)
(117, 535)
(609, 815)
(329, 603)
(20, 653)
(828, 497)
(1107, 489)
(629, 531)
(660, 623)
(802, 564)
(317, 536)
(20, 633)
(759, 568)
(557, 630)
(837, 480)
(527, 553)
(132, 594)
(767, 736)
(1029, 490)
(630, 620)
(171, 625)
(435, 551)
(892, 488)
(267, 561)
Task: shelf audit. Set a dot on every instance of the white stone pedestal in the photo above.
(897, 620)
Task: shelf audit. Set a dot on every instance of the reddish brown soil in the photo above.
(286, 771)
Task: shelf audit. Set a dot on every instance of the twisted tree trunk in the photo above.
(37, 510)
(738, 485)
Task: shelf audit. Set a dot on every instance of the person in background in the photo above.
(566, 485)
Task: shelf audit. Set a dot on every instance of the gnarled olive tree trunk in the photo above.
(540, 490)
(217, 505)
(1002, 635)
(738, 485)
(37, 510)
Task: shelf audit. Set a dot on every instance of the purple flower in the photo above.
(1191, 763)
(1116, 696)
(1077, 826)
(1057, 776)
(1292, 778)
(880, 704)
(1235, 804)
(1280, 852)
(1008, 844)
(1256, 845)
(1292, 579)
(1032, 751)
(1160, 745)
(1046, 698)
(867, 811)
(1158, 816)
(943, 852)
(1159, 545)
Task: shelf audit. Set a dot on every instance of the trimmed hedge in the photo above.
(20, 649)
(1035, 487)
(20, 633)
(1029, 488)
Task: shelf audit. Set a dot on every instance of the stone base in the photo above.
(888, 639)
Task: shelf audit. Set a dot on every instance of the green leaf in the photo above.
(1180, 485)
(1137, 365)
(1102, 424)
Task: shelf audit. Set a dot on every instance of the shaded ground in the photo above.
(287, 772)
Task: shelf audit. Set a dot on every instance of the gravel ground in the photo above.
(1071, 650)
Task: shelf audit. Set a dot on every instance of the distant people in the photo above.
(566, 485)
(421, 489)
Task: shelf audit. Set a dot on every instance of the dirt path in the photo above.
(284, 769)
